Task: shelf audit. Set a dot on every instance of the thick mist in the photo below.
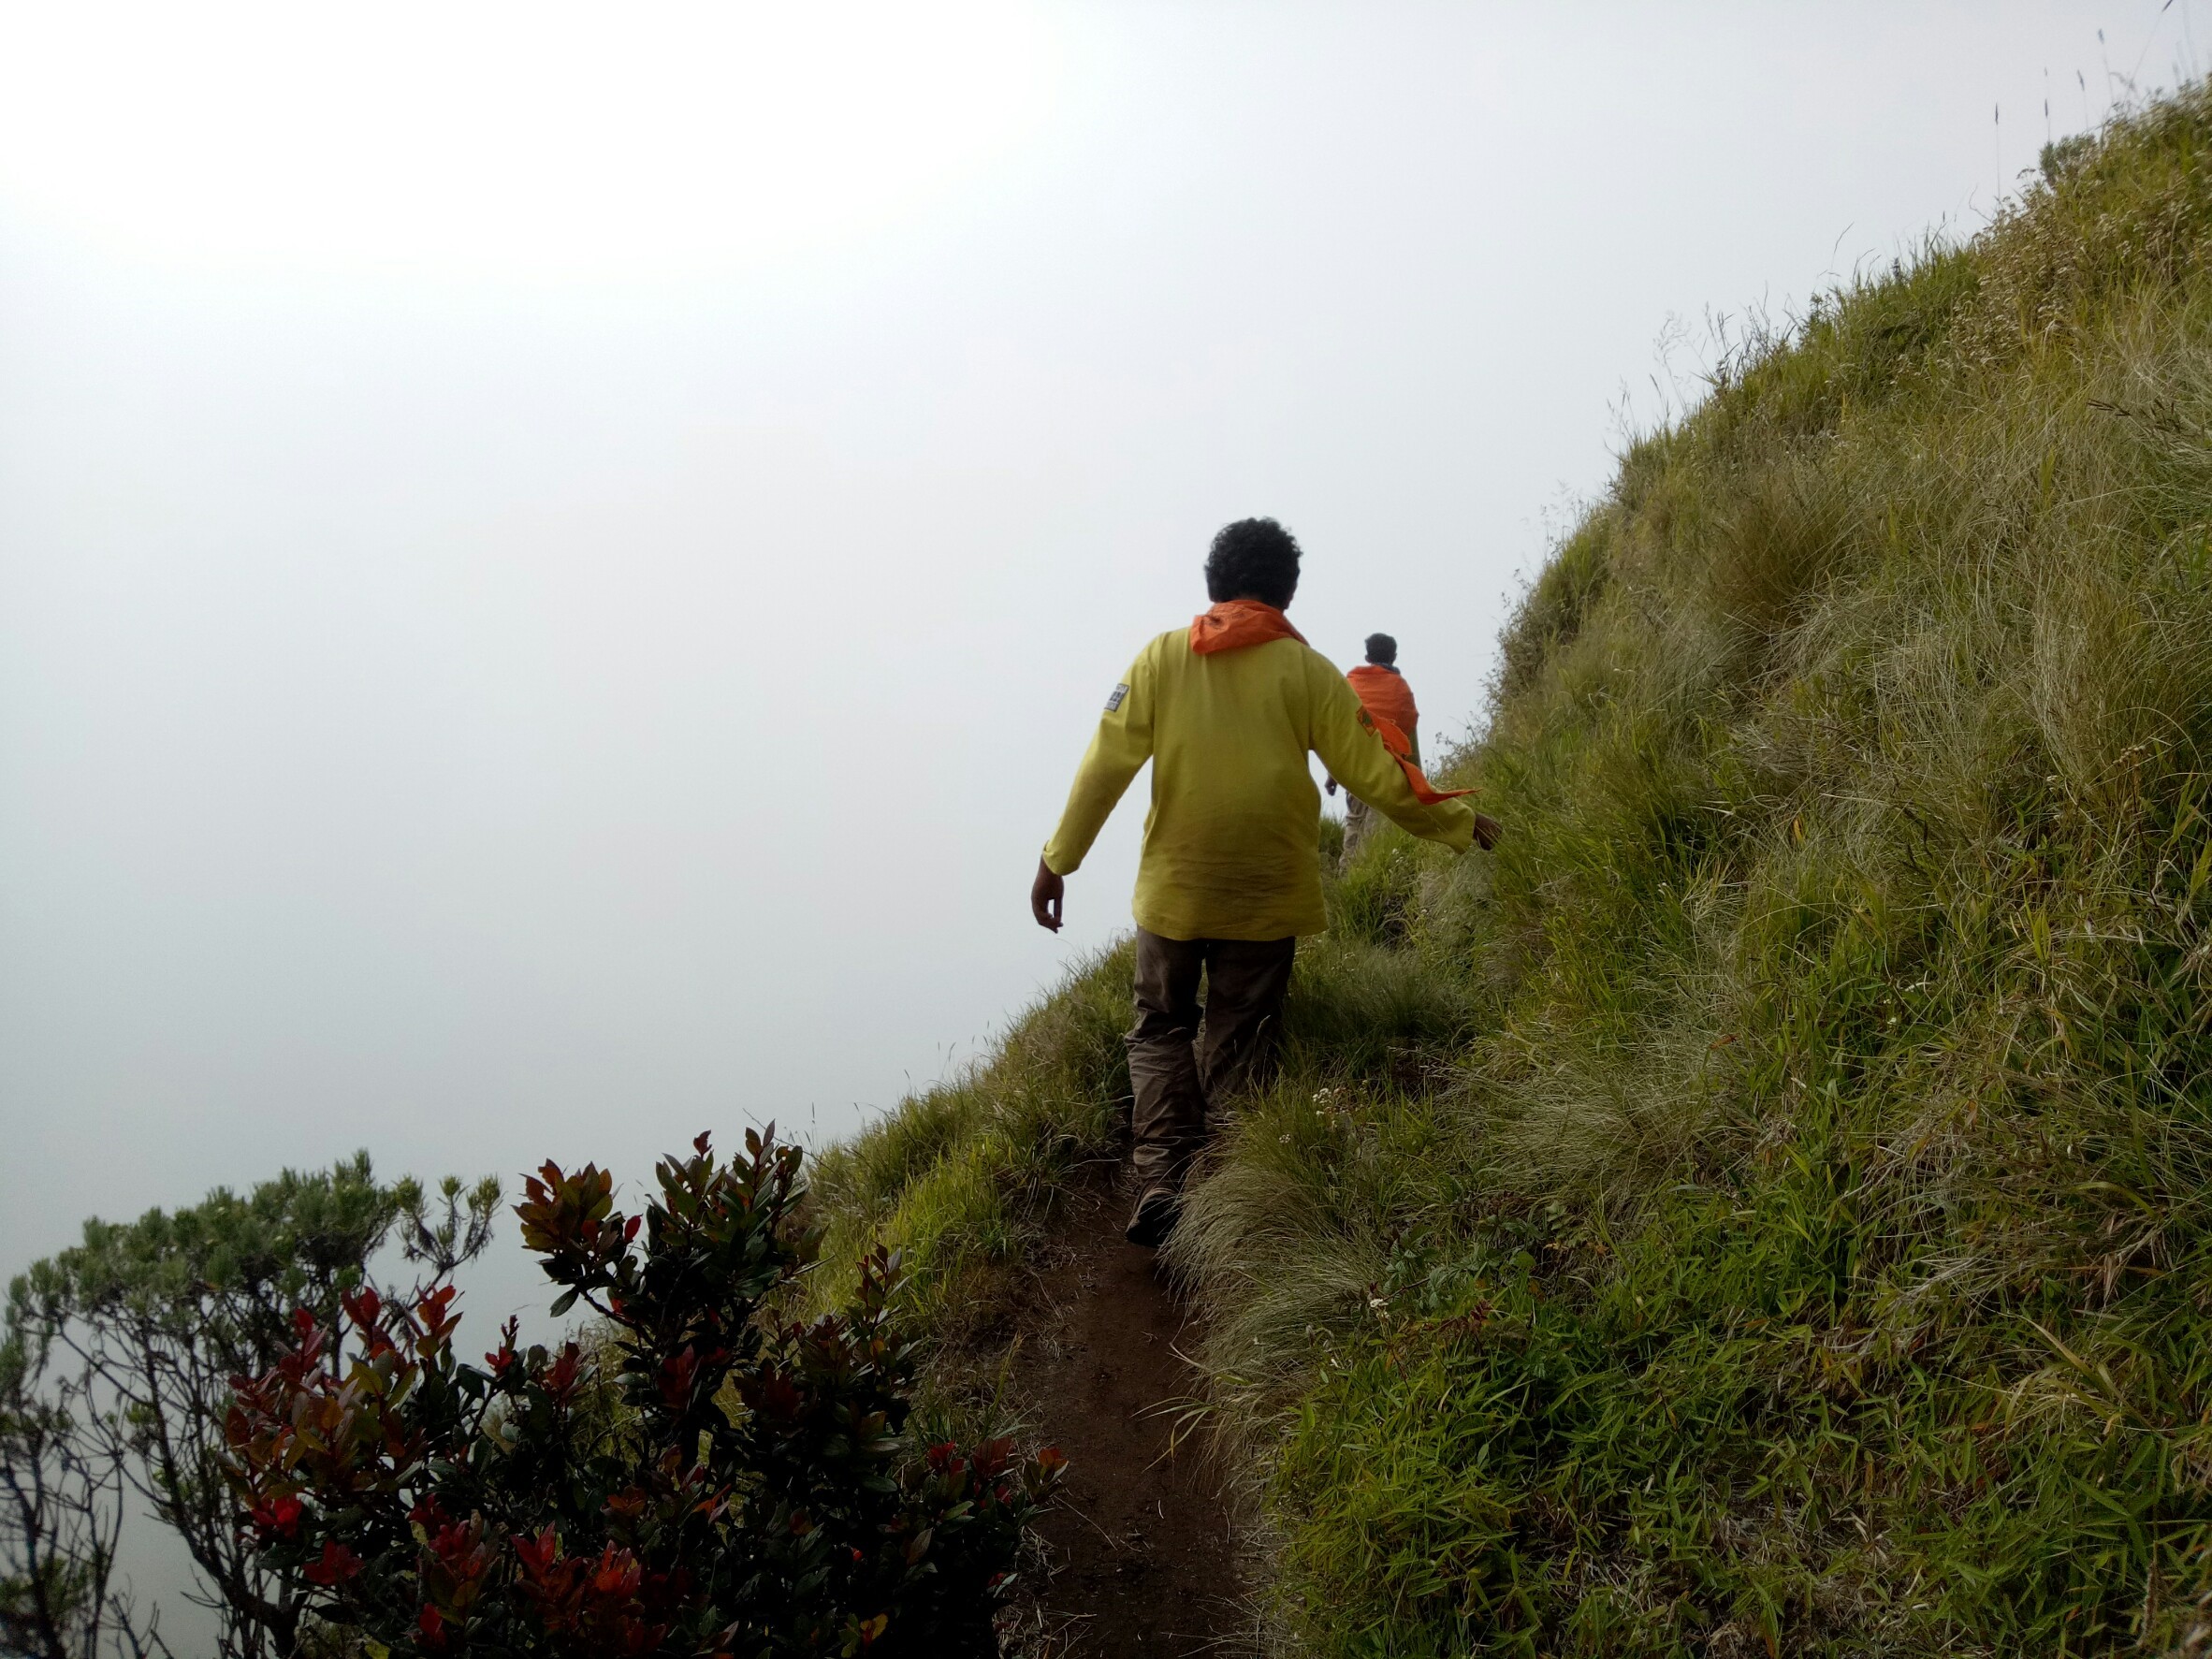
(548, 598)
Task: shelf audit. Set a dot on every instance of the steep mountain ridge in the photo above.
(1762, 1208)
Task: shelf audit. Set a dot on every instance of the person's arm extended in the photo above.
(1357, 759)
(1119, 748)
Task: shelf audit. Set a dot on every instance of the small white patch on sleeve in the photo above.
(1113, 702)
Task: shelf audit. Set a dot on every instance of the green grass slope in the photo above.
(1762, 1209)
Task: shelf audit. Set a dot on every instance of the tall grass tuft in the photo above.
(963, 1177)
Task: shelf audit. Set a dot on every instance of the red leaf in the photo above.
(537, 1555)
(338, 1564)
(364, 1308)
(560, 1379)
(279, 1515)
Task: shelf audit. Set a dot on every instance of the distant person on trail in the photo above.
(1225, 710)
(1385, 697)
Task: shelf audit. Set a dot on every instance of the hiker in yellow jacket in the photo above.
(1227, 711)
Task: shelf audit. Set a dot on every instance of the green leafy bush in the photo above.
(115, 1373)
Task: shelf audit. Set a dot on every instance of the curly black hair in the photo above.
(1382, 649)
(1253, 558)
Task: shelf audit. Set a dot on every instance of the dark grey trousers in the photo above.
(1176, 1063)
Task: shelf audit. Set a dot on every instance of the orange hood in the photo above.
(1235, 623)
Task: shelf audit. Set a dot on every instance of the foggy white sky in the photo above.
(554, 568)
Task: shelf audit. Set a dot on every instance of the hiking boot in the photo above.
(1154, 1218)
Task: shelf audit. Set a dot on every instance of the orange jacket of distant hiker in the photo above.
(1383, 691)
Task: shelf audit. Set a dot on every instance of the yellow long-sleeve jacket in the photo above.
(1231, 842)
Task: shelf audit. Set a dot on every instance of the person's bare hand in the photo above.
(1048, 893)
(1486, 832)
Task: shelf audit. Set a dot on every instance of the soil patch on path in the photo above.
(1145, 1548)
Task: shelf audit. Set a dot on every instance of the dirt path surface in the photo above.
(1146, 1548)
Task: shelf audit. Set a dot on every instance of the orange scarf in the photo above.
(1235, 623)
(1393, 739)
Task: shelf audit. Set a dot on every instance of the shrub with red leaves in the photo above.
(755, 1493)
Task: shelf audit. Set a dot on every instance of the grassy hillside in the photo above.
(1763, 1208)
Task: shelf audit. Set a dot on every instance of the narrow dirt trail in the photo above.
(1145, 1548)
